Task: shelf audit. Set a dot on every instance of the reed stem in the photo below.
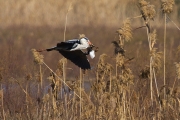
(2, 103)
(80, 86)
(164, 55)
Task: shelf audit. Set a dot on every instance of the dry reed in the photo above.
(125, 32)
(177, 65)
(38, 58)
(147, 10)
(112, 94)
(167, 6)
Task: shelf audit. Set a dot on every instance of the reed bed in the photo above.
(121, 86)
(52, 13)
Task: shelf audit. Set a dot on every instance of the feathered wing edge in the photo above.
(77, 57)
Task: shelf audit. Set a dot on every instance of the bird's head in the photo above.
(85, 40)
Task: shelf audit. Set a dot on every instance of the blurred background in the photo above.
(84, 12)
(27, 24)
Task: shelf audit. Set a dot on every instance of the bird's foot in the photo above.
(40, 50)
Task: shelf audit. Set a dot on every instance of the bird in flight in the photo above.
(72, 50)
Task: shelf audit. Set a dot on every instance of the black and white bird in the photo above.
(72, 50)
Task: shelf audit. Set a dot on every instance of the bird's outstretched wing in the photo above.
(77, 57)
(67, 45)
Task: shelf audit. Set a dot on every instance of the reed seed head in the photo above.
(60, 66)
(167, 6)
(156, 61)
(81, 36)
(103, 68)
(127, 76)
(46, 98)
(102, 59)
(120, 60)
(125, 32)
(38, 58)
(153, 38)
(178, 49)
(143, 3)
(70, 7)
(177, 65)
(147, 10)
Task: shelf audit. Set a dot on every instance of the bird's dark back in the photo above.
(65, 45)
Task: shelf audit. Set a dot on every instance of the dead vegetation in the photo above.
(121, 86)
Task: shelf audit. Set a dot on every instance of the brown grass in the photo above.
(127, 85)
(52, 13)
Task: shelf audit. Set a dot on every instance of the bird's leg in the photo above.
(86, 53)
(89, 49)
(50, 49)
(41, 50)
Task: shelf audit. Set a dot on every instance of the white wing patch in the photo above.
(92, 54)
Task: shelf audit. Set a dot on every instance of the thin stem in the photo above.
(150, 64)
(173, 23)
(40, 74)
(110, 82)
(69, 8)
(64, 79)
(80, 84)
(136, 17)
(64, 70)
(151, 81)
(174, 84)
(164, 55)
(116, 70)
(65, 27)
(156, 87)
(2, 103)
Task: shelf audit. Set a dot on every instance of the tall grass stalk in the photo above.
(2, 103)
(167, 7)
(173, 22)
(64, 69)
(157, 88)
(148, 12)
(110, 80)
(164, 55)
(150, 63)
(80, 92)
(65, 26)
(40, 75)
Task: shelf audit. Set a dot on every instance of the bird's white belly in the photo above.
(79, 47)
